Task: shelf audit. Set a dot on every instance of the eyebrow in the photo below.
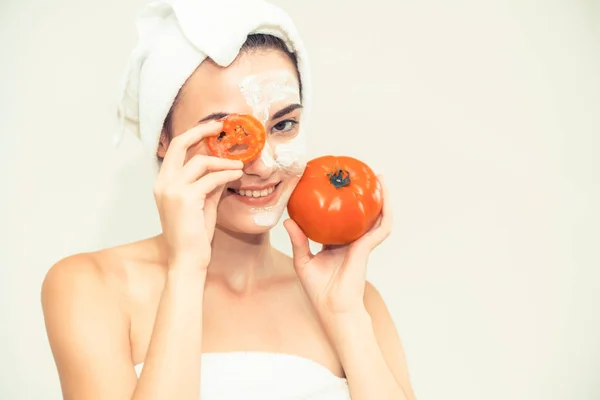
(284, 111)
(214, 116)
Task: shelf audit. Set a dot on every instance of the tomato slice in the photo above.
(243, 138)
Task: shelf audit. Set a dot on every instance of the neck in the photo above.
(240, 260)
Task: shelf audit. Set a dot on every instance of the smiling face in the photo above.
(263, 83)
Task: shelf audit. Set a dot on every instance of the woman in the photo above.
(208, 309)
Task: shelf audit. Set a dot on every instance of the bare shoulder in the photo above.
(76, 292)
(115, 273)
(81, 275)
(388, 337)
(84, 301)
(381, 318)
(76, 266)
(374, 302)
(76, 276)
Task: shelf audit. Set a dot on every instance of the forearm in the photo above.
(369, 377)
(172, 365)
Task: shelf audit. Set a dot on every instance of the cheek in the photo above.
(291, 156)
(267, 155)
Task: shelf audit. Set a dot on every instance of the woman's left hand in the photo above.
(334, 279)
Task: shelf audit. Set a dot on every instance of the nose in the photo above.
(263, 166)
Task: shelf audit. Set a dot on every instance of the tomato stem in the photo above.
(339, 178)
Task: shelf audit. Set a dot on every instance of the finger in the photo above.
(208, 183)
(376, 224)
(199, 165)
(179, 145)
(300, 247)
(334, 247)
(383, 226)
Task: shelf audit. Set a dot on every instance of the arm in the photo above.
(176, 340)
(89, 336)
(353, 313)
(371, 351)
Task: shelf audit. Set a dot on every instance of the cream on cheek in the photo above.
(269, 216)
(261, 92)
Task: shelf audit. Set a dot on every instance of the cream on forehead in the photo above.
(264, 89)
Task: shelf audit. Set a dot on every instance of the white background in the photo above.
(492, 270)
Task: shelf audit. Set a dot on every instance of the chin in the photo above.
(253, 215)
(251, 224)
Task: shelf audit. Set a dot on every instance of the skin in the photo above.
(109, 310)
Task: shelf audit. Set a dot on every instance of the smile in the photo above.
(254, 192)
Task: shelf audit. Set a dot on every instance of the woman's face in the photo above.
(263, 83)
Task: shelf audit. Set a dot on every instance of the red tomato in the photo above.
(337, 200)
(243, 138)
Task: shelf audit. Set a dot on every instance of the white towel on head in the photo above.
(175, 37)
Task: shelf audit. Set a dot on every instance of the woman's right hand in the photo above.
(187, 192)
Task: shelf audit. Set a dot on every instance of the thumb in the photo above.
(300, 247)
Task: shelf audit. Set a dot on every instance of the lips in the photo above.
(254, 192)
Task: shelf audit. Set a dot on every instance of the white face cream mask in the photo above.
(267, 93)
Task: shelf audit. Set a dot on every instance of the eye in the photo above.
(285, 126)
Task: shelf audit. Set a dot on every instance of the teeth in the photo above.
(256, 193)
